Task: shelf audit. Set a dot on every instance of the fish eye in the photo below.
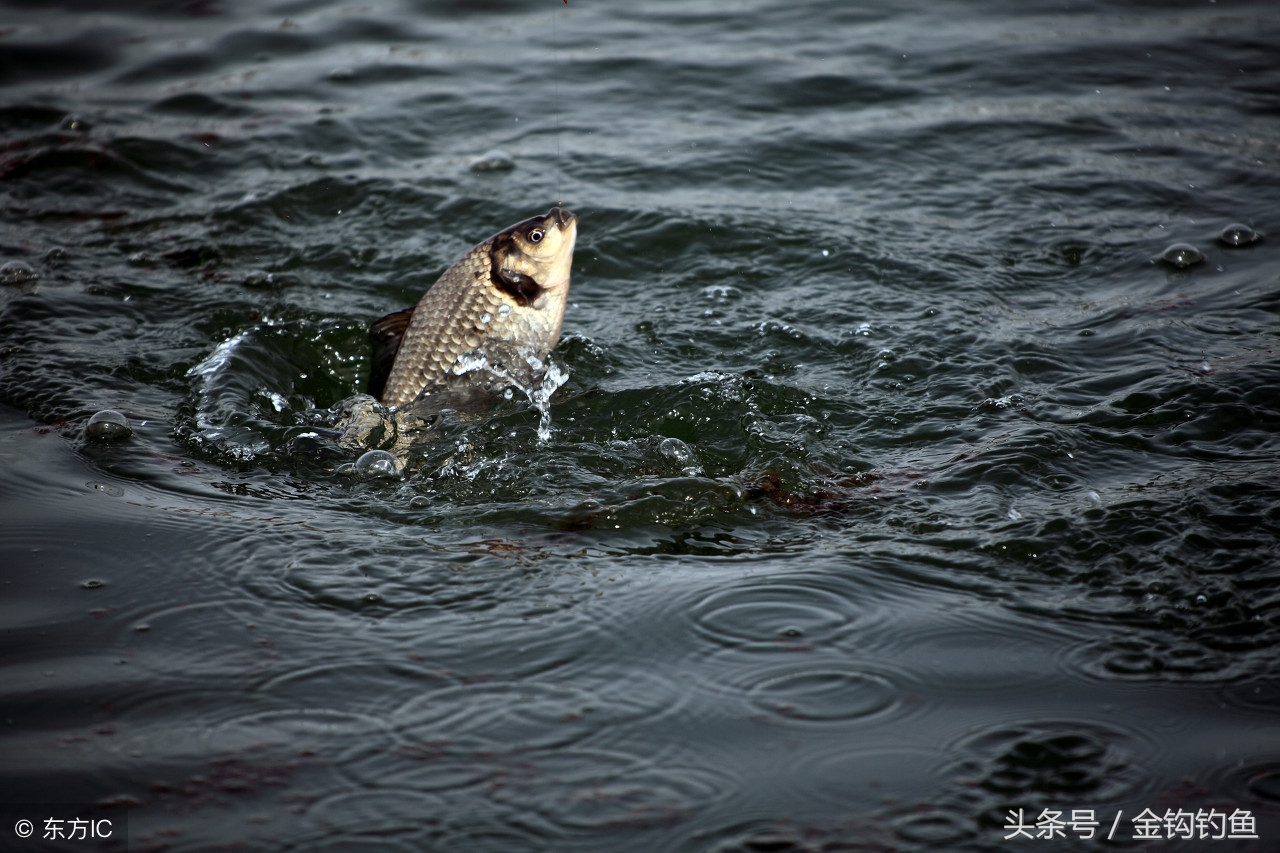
(535, 236)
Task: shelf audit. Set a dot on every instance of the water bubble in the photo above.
(721, 292)
(92, 583)
(492, 161)
(17, 272)
(1000, 402)
(1237, 234)
(676, 450)
(1073, 254)
(342, 73)
(508, 394)
(681, 454)
(259, 278)
(107, 425)
(504, 310)
(486, 317)
(378, 464)
(1182, 255)
(76, 123)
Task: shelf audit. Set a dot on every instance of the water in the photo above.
(896, 482)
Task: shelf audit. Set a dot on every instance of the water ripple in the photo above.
(768, 613)
(500, 717)
(824, 695)
(1042, 764)
(812, 688)
(593, 790)
(384, 814)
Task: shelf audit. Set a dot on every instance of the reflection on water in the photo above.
(910, 453)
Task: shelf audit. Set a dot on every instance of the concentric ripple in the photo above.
(852, 773)
(766, 613)
(810, 687)
(500, 716)
(1150, 657)
(825, 695)
(325, 730)
(385, 813)
(593, 790)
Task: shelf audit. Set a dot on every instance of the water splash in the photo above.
(220, 423)
(553, 378)
(474, 361)
(545, 378)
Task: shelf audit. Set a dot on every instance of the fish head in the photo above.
(532, 259)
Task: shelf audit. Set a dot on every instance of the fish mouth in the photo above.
(562, 216)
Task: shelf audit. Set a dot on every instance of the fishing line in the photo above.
(555, 95)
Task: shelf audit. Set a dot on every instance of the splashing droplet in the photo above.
(554, 377)
(486, 317)
(107, 425)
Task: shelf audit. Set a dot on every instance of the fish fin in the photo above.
(385, 335)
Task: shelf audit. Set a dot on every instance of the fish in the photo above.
(489, 322)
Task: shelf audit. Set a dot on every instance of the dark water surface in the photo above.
(896, 484)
